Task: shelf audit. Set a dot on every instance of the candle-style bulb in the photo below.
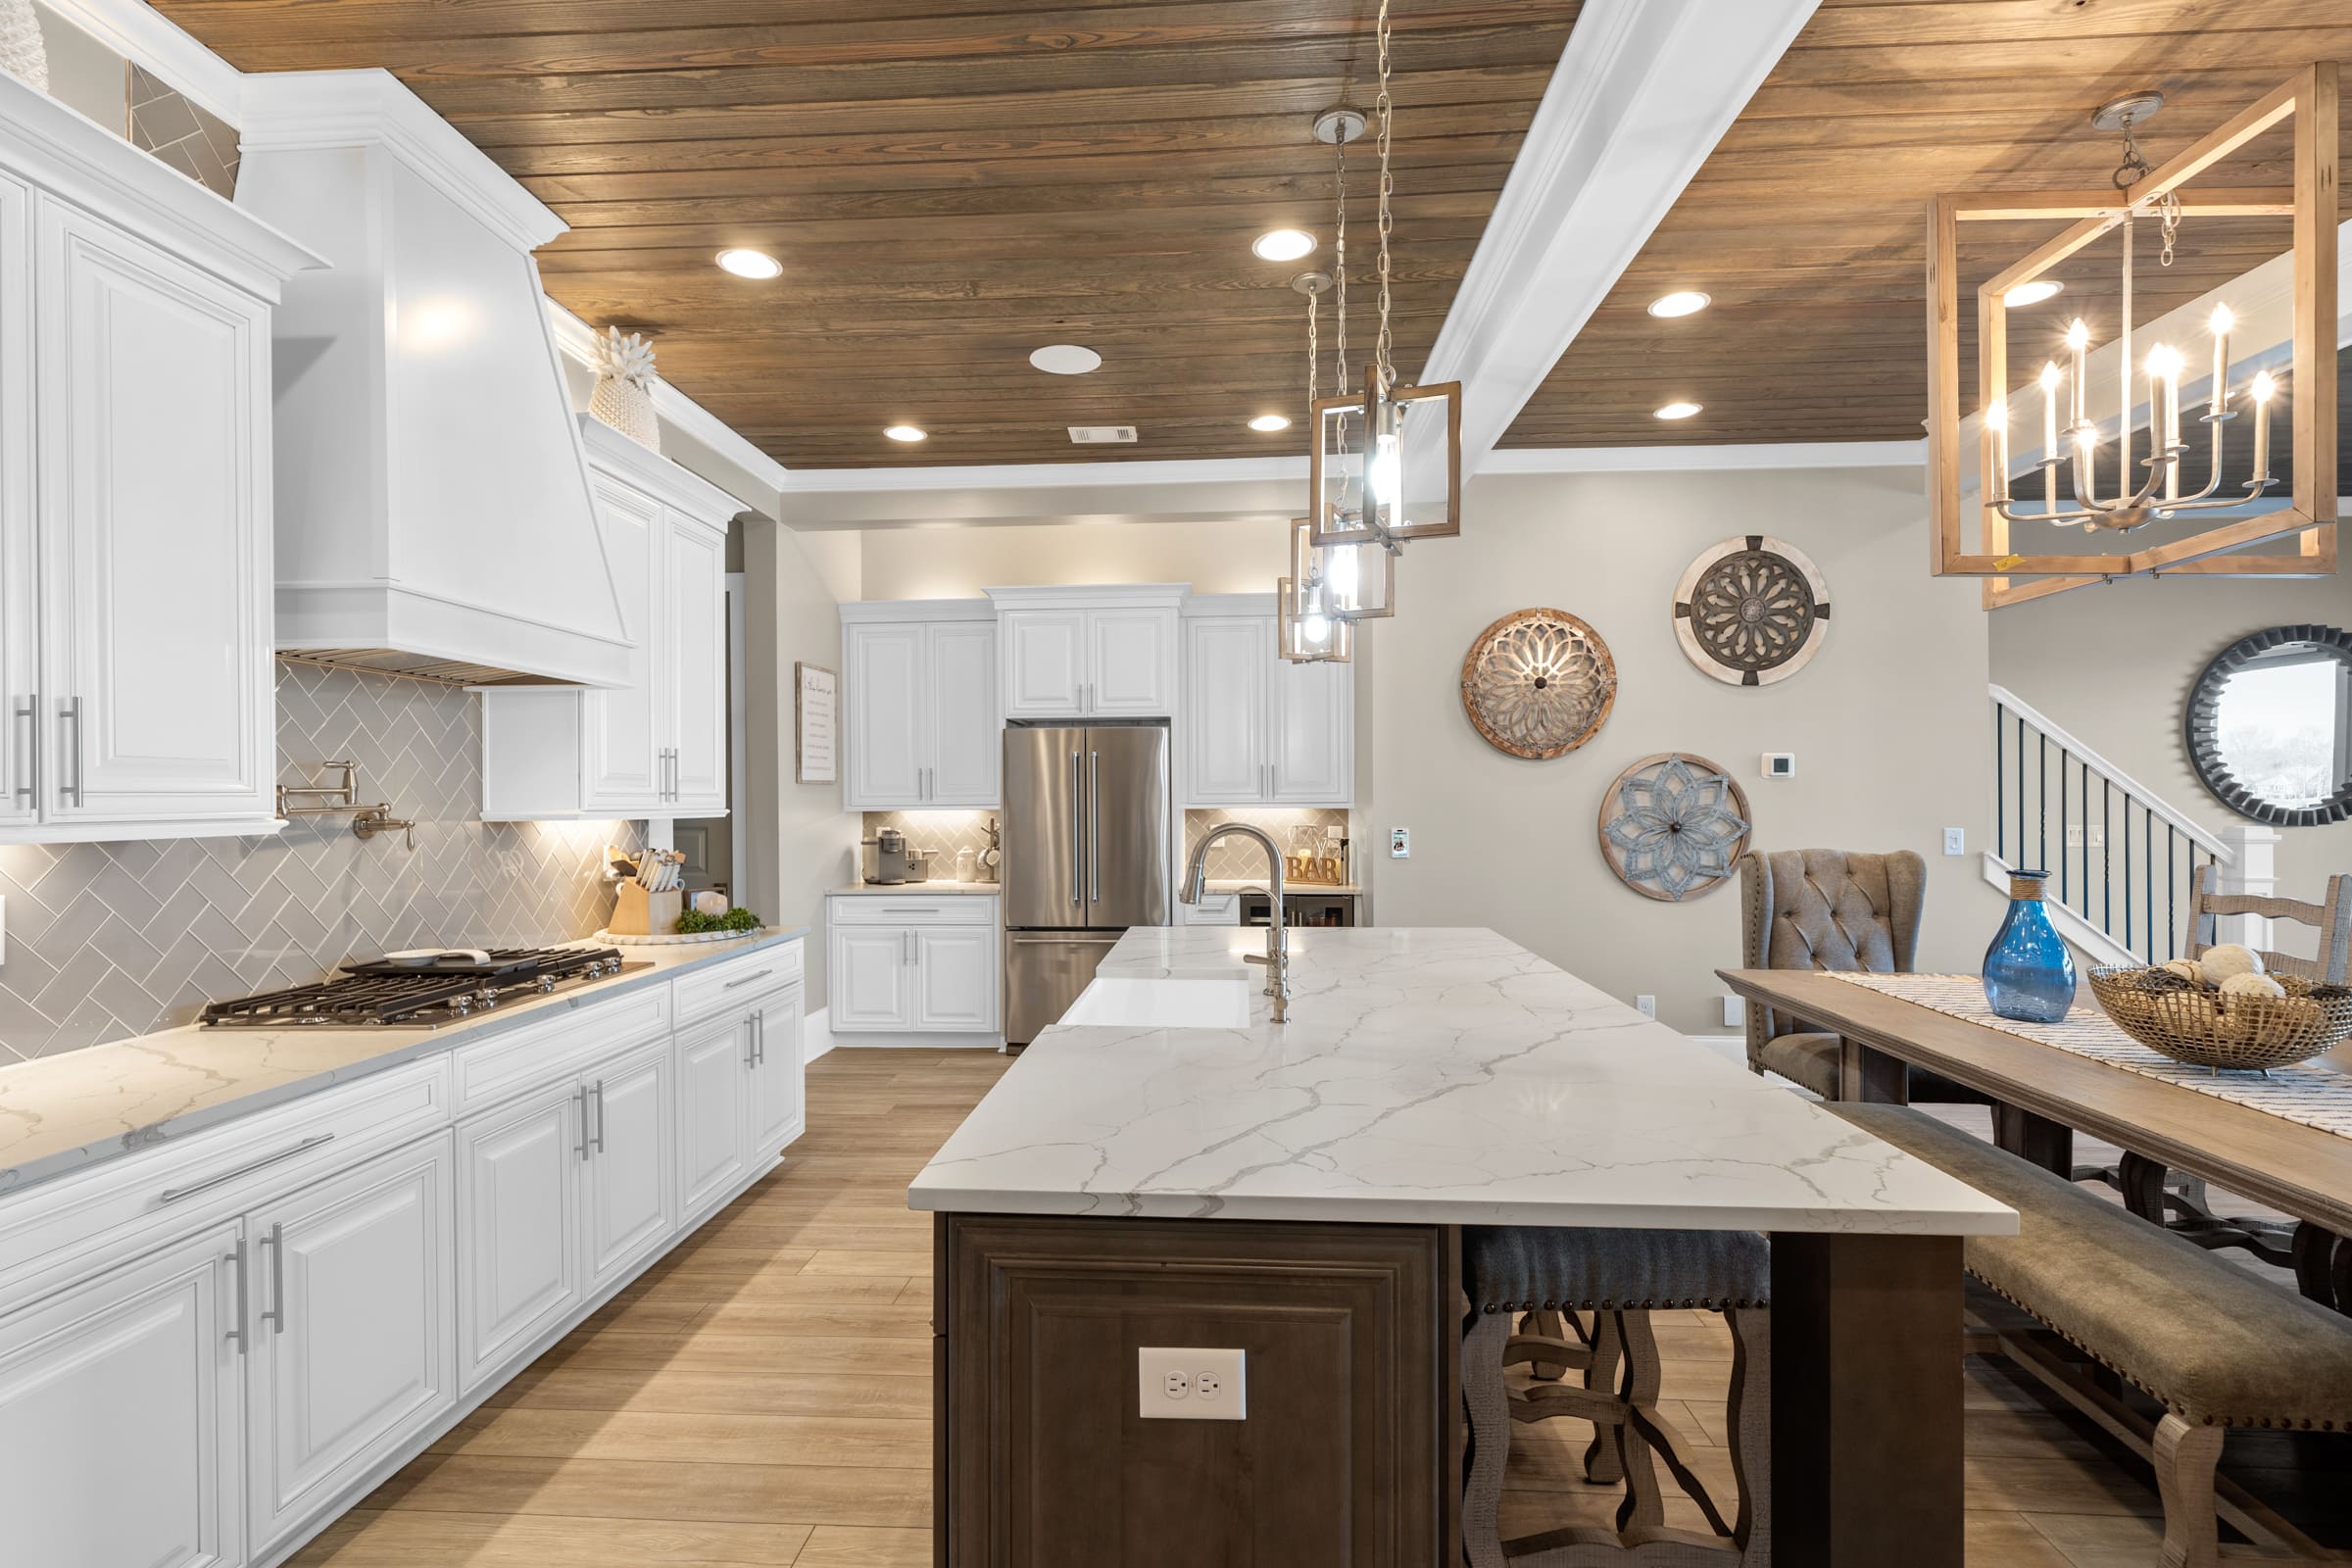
(1996, 415)
(2222, 320)
(2049, 375)
(2077, 336)
(2164, 361)
(2264, 388)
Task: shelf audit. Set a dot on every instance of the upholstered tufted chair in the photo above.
(1823, 909)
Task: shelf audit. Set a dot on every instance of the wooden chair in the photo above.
(2333, 914)
(1619, 1276)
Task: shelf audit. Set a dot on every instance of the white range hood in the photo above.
(433, 511)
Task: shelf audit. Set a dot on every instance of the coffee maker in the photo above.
(888, 863)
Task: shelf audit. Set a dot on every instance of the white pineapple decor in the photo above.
(22, 53)
(624, 385)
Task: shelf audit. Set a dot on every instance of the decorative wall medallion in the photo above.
(1751, 611)
(1673, 827)
(1539, 683)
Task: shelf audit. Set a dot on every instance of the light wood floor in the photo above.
(763, 1396)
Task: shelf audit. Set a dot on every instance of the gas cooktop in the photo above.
(421, 991)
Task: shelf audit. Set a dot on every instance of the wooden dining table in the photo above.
(2043, 1095)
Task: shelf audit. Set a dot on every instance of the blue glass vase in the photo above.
(2029, 974)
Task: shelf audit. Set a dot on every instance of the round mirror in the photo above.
(2270, 726)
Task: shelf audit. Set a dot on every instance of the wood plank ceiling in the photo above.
(1807, 224)
(952, 183)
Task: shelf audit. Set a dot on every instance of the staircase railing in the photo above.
(2123, 864)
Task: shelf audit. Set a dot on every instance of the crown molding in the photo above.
(1817, 454)
(666, 479)
(147, 37)
(1051, 476)
(1644, 91)
(577, 339)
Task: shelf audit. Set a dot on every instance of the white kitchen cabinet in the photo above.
(778, 1099)
(518, 1273)
(630, 1156)
(920, 706)
(739, 1092)
(1258, 729)
(1089, 652)
(137, 664)
(913, 966)
(656, 746)
(121, 1415)
(353, 1325)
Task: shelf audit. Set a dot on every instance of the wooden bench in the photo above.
(2214, 1345)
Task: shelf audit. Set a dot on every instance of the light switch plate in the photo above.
(1955, 841)
(1180, 1384)
(1735, 1013)
(1400, 844)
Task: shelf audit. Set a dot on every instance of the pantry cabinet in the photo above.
(921, 723)
(1089, 652)
(136, 661)
(657, 745)
(911, 964)
(1258, 729)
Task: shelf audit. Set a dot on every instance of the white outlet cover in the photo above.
(1648, 1005)
(1735, 1013)
(1190, 1384)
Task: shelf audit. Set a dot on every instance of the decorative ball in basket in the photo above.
(2222, 1012)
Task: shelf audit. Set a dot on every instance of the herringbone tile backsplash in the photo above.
(111, 940)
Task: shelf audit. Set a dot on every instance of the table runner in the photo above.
(2314, 1096)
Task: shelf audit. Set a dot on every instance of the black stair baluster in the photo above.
(2000, 781)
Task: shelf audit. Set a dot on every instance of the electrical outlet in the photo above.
(1648, 1005)
(1400, 844)
(1735, 1013)
(1189, 1384)
(1955, 841)
(2079, 835)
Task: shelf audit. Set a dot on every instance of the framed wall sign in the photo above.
(816, 705)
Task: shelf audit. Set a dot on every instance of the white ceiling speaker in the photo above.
(1066, 359)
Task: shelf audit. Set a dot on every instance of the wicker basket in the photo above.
(2190, 1023)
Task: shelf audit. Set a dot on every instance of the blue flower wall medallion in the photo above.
(1673, 827)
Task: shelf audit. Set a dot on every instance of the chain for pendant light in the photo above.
(1388, 186)
(1339, 383)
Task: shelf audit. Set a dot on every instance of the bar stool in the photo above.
(1619, 1277)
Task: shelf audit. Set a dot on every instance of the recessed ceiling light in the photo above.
(1678, 410)
(2033, 293)
(904, 432)
(1066, 359)
(1681, 302)
(1283, 245)
(1269, 422)
(756, 265)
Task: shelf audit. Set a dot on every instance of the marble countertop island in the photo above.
(1430, 1076)
(63, 1113)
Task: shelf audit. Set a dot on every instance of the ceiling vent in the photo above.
(1103, 435)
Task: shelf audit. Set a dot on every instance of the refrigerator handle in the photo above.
(1093, 821)
(1077, 835)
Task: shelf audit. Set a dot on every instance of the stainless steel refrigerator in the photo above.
(1085, 856)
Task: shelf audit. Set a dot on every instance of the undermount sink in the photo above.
(1163, 1004)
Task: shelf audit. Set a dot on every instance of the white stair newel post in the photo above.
(2251, 870)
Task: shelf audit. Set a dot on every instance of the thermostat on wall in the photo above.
(1780, 765)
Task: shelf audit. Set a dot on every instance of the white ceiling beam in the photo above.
(1644, 90)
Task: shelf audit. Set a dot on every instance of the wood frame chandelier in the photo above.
(2306, 521)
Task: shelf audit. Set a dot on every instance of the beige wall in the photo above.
(2113, 666)
(959, 562)
(1887, 723)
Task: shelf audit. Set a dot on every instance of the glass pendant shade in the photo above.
(1307, 632)
(1357, 582)
(1388, 466)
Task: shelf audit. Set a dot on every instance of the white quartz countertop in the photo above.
(67, 1111)
(924, 890)
(1429, 1076)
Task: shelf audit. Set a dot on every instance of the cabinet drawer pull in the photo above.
(173, 1195)
(581, 1098)
(759, 1038)
(600, 1115)
(747, 979)
(275, 1317)
(236, 1261)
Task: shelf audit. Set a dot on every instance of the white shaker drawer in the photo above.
(874, 908)
(557, 1043)
(705, 991)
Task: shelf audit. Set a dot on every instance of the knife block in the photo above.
(639, 913)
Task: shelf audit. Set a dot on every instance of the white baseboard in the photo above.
(1731, 1048)
(816, 1035)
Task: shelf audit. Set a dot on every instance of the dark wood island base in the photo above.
(1350, 1455)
